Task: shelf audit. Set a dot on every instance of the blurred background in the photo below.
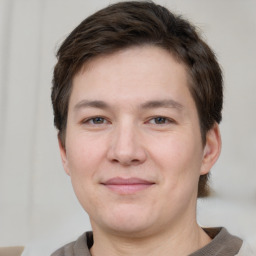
(37, 206)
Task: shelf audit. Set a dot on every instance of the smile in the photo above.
(127, 186)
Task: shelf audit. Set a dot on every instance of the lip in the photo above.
(127, 185)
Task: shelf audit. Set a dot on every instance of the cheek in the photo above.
(179, 159)
(178, 149)
(83, 155)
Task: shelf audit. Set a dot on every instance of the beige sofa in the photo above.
(11, 251)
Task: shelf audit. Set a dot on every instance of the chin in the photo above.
(131, 230)
(128, 222)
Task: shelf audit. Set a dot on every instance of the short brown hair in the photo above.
(137, 23)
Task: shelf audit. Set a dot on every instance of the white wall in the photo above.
(37, 205)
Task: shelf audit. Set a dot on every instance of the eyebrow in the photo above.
(91, 104)
(169, 103)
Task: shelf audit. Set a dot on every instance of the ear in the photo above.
(63, 155)
(212, 149)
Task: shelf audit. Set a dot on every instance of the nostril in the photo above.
(126, 161)
(135, 161)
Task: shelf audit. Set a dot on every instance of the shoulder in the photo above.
(67, 249)
(246, 250)
(80, 247)
(222, 243)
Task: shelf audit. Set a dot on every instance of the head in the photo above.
(128, 24)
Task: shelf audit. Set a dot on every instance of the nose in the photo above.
(126, 146)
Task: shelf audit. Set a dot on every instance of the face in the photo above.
(133, 144)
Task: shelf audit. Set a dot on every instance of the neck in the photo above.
(180, 241)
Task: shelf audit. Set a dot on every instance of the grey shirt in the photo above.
(222, 244)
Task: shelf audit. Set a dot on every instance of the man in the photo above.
(137, 98)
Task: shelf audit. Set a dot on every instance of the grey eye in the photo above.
(160, 120)
(98, 120)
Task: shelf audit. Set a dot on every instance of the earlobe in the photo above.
(212, 149)
(63, 155)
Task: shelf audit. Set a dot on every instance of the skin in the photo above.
(131, 116)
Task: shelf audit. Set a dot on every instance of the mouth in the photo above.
(127, 186)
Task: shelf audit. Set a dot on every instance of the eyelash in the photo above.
(165, 119)
(101, 120)
(91, 120)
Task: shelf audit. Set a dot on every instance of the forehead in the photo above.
(132, 74)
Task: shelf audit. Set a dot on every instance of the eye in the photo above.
(95, 120)
(98, 120)
(160, 120)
